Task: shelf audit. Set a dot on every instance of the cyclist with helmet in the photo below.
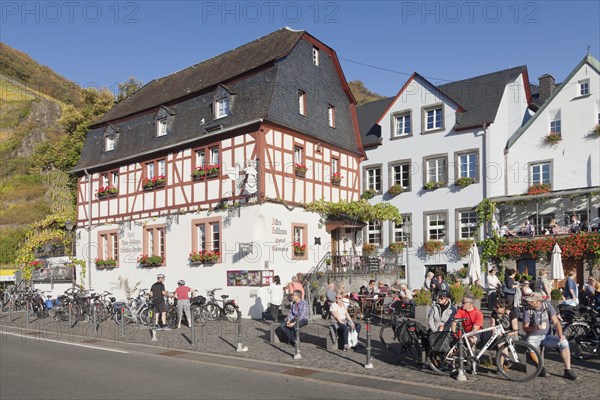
(441, 313)
(158, 293)
(182, 294)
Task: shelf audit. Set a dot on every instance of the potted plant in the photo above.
(336, 178)
(538, 188)
(457, 292)
(464, 181)
(556, 296)
(433, 246)
(433, 185)
(397, 247)
(552, 138)
(300, 170)
(422, 299)
(396, 189)
(477, 292)
(299, 249)
(463, 247)
(150, 261)
(369, 249)
(368, 194)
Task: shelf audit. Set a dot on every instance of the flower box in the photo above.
(336, 179)
(397, 247)
(150, 261)
(204, 257)
(299, 249)
(106, 192)
(464, 181)
(368, 194)
(596, 130)
(463, 247)
(154, 183)
(396, 189)
(431, 185)
(369, 249)
(105, 263)
(300, 170)
(433, 246)
(539, 188)
(552, 138)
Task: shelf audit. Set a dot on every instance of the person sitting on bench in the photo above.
(342, 321)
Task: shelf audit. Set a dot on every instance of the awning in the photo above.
(334, 222)
(556, 193)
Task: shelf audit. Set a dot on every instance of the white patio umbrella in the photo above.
(474, 264)
(556, 265)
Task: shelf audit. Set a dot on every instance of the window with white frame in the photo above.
(298, 235)
(331, 115)
(433, 118)
(540, 173)
(201, 235)
(374, 178)
(402, 232)
(468, 165)
(401, 175)
(467, 224)
(302, 102)
(200, 158)
(402, 125)
(154, 241)
(105, 181)
(436, 226)
(162, 167)
(298, 155)
(215, 230)
(374, 232)
(214, 155)
(115, 178)
(206, 235)
(222, 107)
(109, 143)
(555, 126)
(436, 170)
(108, 245)
(161, 127)
(150, 170)
(335, 166)
(315, 55)
(584, 87)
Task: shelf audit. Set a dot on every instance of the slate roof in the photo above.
(480, 96)
(207, 73)
(368, 114)
(588, 59)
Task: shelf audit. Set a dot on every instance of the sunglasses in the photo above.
(466, 302)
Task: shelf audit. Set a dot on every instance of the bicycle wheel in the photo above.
(444, 363)
(387, 335)
(172, 317)
(145, 316)
(583, 340)
(200, 314)
(231, 312)
(520, 362)
(214, 311)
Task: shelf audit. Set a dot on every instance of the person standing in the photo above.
(182, 294)
(542, 284)
(158, 293)
(510, 287)
(428, 278)
(298, 315)
(276, 297)
(571, 290)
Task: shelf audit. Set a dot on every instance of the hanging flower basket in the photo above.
(336, 179)
(300, 170)
(433, 246)
(369, 249)
(299, 249)
(552, 138)
(463, 247)
(150, 261)
(539, 188)
(397, 247)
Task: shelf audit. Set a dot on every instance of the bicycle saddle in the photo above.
(224, 296)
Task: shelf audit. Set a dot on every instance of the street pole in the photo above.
(240, 346)
(297, 355)
(368, 364)
(461, 356)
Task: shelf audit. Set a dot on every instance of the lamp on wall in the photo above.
(317, 240)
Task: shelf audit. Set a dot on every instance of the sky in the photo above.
(102, 43)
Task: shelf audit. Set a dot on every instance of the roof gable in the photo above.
(588, 59)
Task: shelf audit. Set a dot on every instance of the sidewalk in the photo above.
(220, 338)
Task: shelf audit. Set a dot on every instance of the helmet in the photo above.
(181, 282)
(160, 276)
(444, 293)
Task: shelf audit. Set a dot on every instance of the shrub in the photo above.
(476, 291)
(457, 292)
(422, 297)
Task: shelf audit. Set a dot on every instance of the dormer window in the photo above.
(161, 127)
(315, 54)
(109, 143)
(222, 107)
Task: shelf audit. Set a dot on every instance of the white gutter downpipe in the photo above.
(88, 177)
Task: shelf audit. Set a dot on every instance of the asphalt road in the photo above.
(31, 369)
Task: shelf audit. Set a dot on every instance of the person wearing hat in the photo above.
(442, 310)
(182, 294)
(537, 323)
(525, 289)
(158, 293)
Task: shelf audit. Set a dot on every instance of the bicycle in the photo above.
(584, 337)
(404, 337)
(215, 311)
(516, 360)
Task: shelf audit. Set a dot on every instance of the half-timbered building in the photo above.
(201, 174)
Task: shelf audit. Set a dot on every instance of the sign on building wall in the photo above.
(249, 278)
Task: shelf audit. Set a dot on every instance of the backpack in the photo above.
(531, 312)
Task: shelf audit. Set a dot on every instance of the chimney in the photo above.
(546, 87)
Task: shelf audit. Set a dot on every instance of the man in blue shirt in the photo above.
(298, 315)
(571, 290)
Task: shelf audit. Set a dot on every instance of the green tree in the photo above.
(128, 87)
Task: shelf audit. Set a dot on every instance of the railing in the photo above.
(361, 264)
